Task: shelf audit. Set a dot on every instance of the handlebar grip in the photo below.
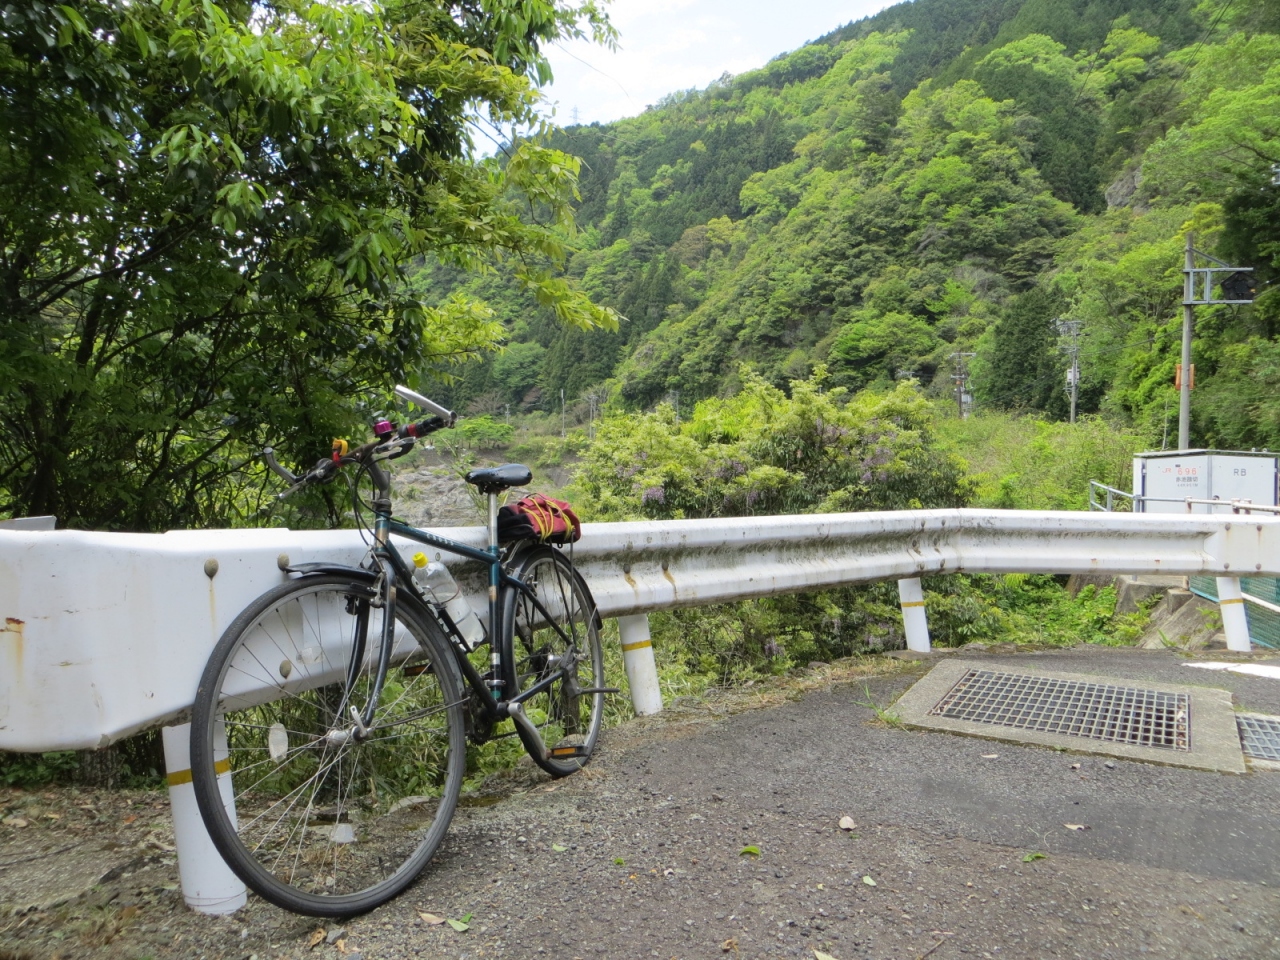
(448, 416)
(421, 428)
(269, 455)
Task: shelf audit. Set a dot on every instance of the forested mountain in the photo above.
(948, 177)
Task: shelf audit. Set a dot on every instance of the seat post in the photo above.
(495, 648)
(493, 522)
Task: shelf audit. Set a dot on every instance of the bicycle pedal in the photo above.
(573, 752)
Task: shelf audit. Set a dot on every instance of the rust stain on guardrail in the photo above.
(14, 635)
(666, 573)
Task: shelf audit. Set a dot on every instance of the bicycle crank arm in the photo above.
(516, 712)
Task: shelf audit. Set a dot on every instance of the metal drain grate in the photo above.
(1259, 736)
(1099, 711)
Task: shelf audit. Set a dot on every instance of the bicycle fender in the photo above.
(306, 569)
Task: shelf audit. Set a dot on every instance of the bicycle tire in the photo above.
(532, 649)
(326, 823)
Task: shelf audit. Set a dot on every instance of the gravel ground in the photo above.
(642, 854)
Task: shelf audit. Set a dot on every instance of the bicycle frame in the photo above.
(393, 568)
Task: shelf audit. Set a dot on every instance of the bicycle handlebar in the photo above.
(269, 455)
(401, 438)
(448, 416)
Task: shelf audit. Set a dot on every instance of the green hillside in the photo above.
(946, 177)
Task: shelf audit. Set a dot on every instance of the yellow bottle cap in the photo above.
(419, 559)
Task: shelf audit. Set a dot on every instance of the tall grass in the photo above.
(1024, 463)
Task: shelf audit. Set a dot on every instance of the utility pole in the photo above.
(595, 402)
(1237, 287)
(961, 379)
(562, 413)
(1188, 321)
(1071, 329)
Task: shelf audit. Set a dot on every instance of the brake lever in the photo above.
(398, 448)
(322, 472)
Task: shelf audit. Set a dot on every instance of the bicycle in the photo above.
(329, 729)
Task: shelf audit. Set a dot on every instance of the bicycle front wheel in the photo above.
(313, 810)
(552, 641)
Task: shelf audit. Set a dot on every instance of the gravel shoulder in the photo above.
(641, 855)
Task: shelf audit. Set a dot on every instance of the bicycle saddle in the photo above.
(494, 479)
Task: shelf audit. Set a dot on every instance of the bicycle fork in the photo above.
(362, 720)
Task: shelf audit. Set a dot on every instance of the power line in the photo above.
(1173, 81)
(1010, 394)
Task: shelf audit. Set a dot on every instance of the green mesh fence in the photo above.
(1264, 624)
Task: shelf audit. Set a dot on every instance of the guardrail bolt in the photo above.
(211, 568)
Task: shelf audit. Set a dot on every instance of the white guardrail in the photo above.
(106, 634)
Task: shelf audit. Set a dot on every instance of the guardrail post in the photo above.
(914, 620)
(1234, 622)
(642, 670)
(208, 885)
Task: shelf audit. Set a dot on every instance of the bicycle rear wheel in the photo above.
(552, 637)
(326, 821)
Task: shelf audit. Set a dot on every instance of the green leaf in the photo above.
(461, 926)
(74, 17)
(559, 847)
(868, 881)
(751, 851)
(1035, 855)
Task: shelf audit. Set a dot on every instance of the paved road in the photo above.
(640, 855)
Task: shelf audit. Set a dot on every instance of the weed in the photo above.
(37, 769)
(106, 924)
(883, 714)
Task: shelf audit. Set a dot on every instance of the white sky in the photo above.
(669, 45)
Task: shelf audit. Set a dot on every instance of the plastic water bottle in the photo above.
(441, 589)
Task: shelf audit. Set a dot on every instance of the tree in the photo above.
(205, 209)
(1021, 362)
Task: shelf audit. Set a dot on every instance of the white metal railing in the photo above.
(106, 634)
(1111, 496)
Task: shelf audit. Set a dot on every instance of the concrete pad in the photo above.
(1213, 738)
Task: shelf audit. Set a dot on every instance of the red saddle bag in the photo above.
(538, 517)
